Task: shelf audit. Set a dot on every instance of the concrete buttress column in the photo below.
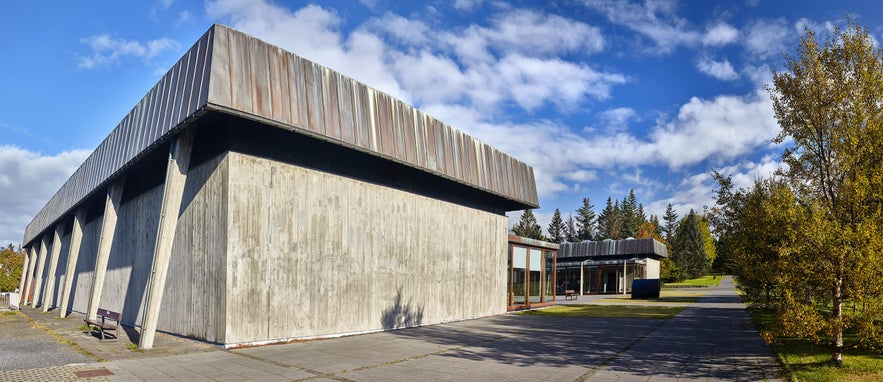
(26, 293)
(173, 192)
(38, 277)
(49, 291)
(108, 228)
(24, 278)
(73, 254)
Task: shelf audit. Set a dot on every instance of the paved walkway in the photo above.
(711, 340)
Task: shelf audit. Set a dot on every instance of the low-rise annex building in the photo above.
(608, 266)
(253, 196)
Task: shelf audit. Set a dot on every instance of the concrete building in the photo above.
(608, 266)
(253, 196)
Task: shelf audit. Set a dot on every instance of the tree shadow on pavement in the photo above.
(528, 340)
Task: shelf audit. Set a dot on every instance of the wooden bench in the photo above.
(570, 294)
(103, 325)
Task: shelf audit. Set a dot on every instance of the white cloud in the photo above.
(697, 190)
(658, 21)
(533, 33)
(745, 173)
(531, 81)
(107, 50)
(759, 75)
(767, 38)
(616, 120)
(720, 34)
(467, 5)
(410, 32)
(183, 16)
(655, 20)
(27, 181)
(581, 176)
(370, 4)
(694, 192)
(724, 128)
(718, 129)
(721, 70)
(159, 6)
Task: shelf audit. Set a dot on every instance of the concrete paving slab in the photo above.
(711, 340)
(693, 341)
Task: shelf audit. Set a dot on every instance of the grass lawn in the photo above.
(671, 296)
(704, 281)
(608, 311)
(806, 361)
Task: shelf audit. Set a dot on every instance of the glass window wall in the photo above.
(531, 276)
(518, 276)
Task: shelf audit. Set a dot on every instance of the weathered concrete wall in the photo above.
(55, 299)
(193, 300)
(83, 276)
(131, 254)
(270, 251)
(314, 254)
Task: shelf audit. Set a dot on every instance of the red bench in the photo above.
(570, 294)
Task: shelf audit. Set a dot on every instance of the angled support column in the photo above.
(73, 254)
(38, 277)
(49, 291)
(26, 292)
(24, 278)
(173, 192)
(108, 228)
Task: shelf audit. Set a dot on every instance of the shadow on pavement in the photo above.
(716, 343)
(530, 340)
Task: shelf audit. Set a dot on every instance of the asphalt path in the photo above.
(23, 346)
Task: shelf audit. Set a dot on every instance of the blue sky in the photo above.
(598, 96)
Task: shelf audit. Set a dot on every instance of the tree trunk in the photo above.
(837, 313)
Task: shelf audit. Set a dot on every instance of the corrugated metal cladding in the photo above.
(255, 78)
(613, 248)
(229, 71)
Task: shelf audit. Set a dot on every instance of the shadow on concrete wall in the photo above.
(401, 315)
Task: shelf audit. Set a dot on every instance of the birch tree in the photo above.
(829, 106)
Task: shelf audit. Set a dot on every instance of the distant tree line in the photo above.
(691, 246)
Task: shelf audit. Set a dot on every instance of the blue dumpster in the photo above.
(646, 288)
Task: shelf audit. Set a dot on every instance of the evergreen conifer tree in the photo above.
(688, 248)
(570, 230)
(585, 221)
(671, 223)
(631, 218)
(610, 221)
(528, 226)
(556, 228)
